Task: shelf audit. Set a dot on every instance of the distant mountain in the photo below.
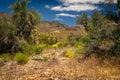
(61, 31)
(46, 26)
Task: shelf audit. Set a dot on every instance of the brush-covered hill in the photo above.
(46, 26)
(61, 31)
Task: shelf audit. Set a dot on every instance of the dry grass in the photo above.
(61, 68)
(63, 31)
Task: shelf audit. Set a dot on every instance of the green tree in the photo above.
(103, 38)
(83, 20)
(110, 8)
(96, 18)
(7, 36)
(24, 19)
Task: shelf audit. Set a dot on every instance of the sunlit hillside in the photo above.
(60, 40)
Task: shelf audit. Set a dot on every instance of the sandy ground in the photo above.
(58, 67)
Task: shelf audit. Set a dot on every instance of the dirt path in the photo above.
(57, 67)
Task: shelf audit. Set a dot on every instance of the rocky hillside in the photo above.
(46, 26)
(61, 31)
(5, 16)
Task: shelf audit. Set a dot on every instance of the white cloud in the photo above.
(58, 19)
(47, 6)
(77, 5)
(66, 15)
(67, 2)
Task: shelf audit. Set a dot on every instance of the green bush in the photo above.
(72, 52)
(81, 46)
(62, 44)
(27, 47)
(77, 50)
(39, 49)
(46, 58)
(7, 36)
(31, 49)
(5, 56)
(59, 45)
(21, 58)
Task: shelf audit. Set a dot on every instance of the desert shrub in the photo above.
(7, 36)
(79, 44)
(39, 49)
(81, 47)
(72, 52)
(62, 44)
(29, 49)
(5, 56)
(59, 45)
(23, 44)
(54, 45)
(33, 49)
(42, 38)
(116, 48)
(21, 58)
(35, 35)
(46, 58)
(52, 40)
(72, 39)
(103, 38)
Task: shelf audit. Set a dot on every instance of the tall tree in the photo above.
(24, 18)
(110, 5)
(83, 20)
(97, 18)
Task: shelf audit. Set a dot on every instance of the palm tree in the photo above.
(24, 18)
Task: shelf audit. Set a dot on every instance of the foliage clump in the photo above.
(102, 33)
(59, 45)
(21, 58)
(5, 56)
(24, 19)
(72, 52)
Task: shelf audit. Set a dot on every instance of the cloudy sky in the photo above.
(63, 11)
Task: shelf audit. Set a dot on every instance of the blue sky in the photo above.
(63, 11)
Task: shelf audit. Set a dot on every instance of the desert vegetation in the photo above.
(31, 49)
